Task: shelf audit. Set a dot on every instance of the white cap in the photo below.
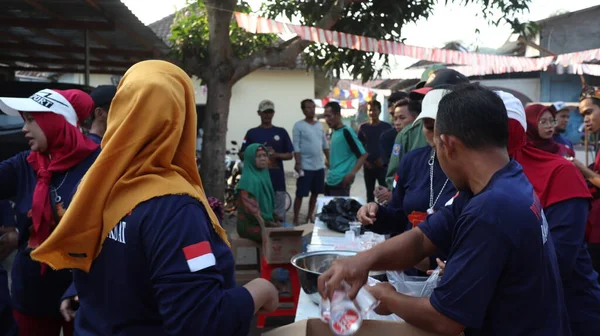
(514, 108)
(559, 106)
(429, 106)
(42, 101)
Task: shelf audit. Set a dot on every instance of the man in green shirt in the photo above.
(412, 137)
(346, 153)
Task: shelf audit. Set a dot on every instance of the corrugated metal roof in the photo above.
(49, 35)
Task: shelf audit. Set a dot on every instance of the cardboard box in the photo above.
(315, 327)
(306, 228)
(281, 244)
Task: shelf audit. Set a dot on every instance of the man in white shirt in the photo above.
(310, 144)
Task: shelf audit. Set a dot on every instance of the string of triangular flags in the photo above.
(473, 63)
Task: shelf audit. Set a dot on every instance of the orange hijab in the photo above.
(148, 151)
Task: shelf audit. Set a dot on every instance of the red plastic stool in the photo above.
(265, 272)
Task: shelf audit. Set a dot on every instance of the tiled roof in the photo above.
(162, 28)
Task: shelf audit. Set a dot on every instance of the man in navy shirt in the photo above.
(369, 134)
(102, 96)
(278, 142)
(502, 275)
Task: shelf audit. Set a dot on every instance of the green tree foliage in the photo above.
(190, 37)
(209, 44)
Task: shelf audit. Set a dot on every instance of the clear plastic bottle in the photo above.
(343, 315)
(345, 318)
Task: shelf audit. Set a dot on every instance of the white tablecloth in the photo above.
(322, 239)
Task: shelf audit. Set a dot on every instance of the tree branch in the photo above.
(285, 55)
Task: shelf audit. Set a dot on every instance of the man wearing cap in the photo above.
(279, 144)
(562, 120)
(102, 96)
(412, 137)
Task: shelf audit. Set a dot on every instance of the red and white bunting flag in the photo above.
(199, 256)
(477, 64)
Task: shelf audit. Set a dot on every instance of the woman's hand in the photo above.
(68, 308)
(367, 214)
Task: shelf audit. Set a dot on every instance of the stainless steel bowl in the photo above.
(312, 264)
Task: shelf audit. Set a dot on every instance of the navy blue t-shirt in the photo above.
(95, 138)
(32, 293)
(369, 135)
(567, 221)
(386, 144)
(502, 275)
(410, 197)
(8, 326)
(279, 139)
(7, 214)
(142, 284)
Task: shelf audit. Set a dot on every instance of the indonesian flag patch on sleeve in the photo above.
(199, 256)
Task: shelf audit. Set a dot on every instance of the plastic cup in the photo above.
(349, 235)
(355, 226)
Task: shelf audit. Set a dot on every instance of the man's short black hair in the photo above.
(396, 96)
(304, 102)
(474, 114)
(375, 103)
(414, 106)
(335, 107)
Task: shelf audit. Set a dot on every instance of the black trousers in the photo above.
(372, 175)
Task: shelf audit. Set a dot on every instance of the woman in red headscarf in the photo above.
(565, 198)
(41, 182)
(541, 121)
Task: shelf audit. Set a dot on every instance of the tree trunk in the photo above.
(212, 168)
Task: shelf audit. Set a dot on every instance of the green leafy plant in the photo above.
(208, 43)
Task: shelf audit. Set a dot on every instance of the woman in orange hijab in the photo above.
(149, 254)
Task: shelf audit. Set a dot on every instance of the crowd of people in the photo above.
(114, 234)
(140, 251)
(498, 201)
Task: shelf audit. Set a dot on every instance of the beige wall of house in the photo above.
(286, 88)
